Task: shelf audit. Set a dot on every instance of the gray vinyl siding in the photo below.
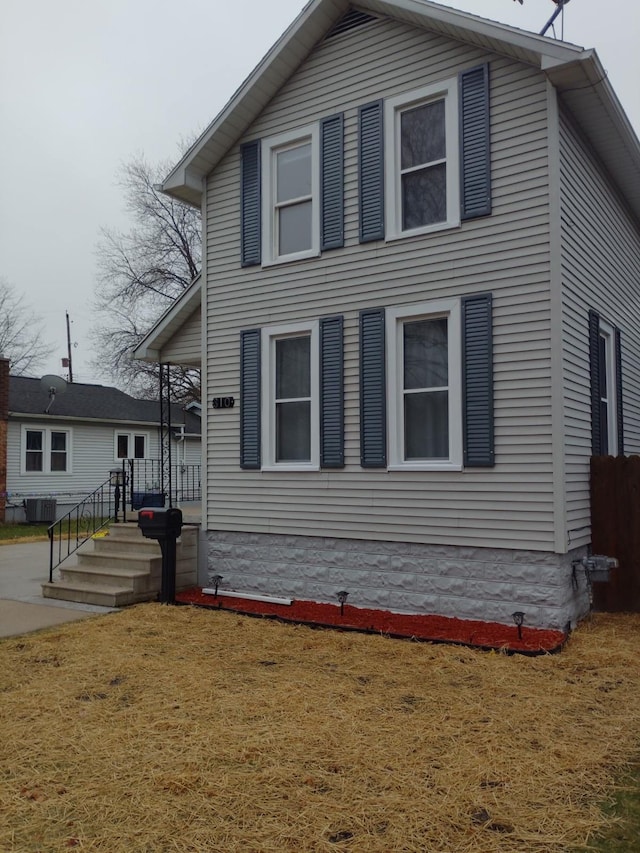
(506, 254)
(600, 271)
(190, 452)
(185, 346)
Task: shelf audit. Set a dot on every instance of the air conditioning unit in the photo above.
(40, 509)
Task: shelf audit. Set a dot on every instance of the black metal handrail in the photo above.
(144, 483)
(136, 483)
(85, 519)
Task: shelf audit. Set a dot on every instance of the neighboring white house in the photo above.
(418, 312)
(63, 447)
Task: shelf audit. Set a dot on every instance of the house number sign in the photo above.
(224, 402)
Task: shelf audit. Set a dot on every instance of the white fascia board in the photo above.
(607, 126)
(275, 68)
(185, 181)
(77, 419)
(466, 23)
(596, 76)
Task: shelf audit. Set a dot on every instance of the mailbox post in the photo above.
(164, 525)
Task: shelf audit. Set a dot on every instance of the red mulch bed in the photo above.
(485, 635)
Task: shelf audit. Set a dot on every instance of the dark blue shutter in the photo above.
(619, 416)
(475, 143)
(373, 390)
(594, 367)
(331, 393)
(332, 182)
(250, 379)
(371, 172)
(477, 381)
(250, 204)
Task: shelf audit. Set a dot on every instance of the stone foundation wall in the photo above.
(468, 583)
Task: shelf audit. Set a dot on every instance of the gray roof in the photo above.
(90, 402)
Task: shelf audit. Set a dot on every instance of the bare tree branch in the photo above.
(21, 333)
(140, 273)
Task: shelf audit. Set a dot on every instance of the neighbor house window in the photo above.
(46, 451)
(422, 160)
(290, 388)
(424, 385)
(131, 445)
(291, 196)
(58, 451)
(34, 460)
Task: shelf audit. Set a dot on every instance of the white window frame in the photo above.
(394, 107)
(46, 450)
(269, 337)
(395, 319)
(608, 334)
(270, 149)
(131, 436)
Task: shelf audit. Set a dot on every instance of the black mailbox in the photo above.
(165, 525)
(160, 522)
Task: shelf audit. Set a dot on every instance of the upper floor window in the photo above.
(45, 451)
(422, 160)
(290, 196)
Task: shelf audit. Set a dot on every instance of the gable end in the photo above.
(354, 18)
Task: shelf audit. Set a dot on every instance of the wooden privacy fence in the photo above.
(615, 529)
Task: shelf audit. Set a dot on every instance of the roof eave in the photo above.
(608, 129)
(558, 59)
(185, 181)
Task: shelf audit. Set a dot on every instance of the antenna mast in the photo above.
(560, 4)
(69, 348)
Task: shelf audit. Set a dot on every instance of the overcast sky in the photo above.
(87, 84)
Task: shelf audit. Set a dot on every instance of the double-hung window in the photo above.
(291, 395)
(45, 451)
(425, 385)
(58, 458)
(422, 160)
(131, 445)
(607, 399)
(290, 196)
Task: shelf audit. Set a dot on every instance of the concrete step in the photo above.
(129, 560)
(128, 530)
(115, 543)
(106, 595)
(134, 580)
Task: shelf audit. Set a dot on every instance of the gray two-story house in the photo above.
(420, 286)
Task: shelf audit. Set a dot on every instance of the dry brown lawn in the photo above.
(176, 729)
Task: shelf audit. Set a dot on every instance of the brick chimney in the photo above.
(4, 418)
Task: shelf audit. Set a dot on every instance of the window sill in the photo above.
(425, 466)
(289, 259)
(289, 467)
(46, 473)
(393, 235)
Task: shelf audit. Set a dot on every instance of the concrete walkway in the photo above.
(23, 568)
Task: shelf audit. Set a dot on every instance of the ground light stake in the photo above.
(342, 597)
(518, 618)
